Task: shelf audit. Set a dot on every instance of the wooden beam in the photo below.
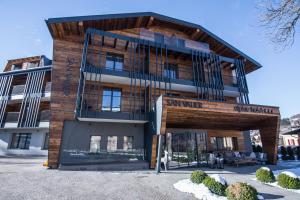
(150, 21)
(138, 22)
(115, 42)
(195, 34)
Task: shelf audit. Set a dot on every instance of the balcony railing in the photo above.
(48, 87)
(94, 105)
(44, 116)
(17, 90)
(12, 117)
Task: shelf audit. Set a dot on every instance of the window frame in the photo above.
(27, 141)
(114, 58)
(128, 149)
(91, 144)
(46, 141)
(109, 143)
(112, 90)
(171, 67)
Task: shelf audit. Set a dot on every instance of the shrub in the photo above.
(198, 176)
(287, 181)
(254, 148)
(214, 186)
(241, 191)
(265, 175)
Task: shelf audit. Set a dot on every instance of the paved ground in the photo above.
(27, 179)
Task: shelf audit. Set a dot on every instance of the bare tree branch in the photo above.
(280, 17)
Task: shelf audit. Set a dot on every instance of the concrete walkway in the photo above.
(27, 179)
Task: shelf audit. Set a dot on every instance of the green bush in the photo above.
(198, 176)
(214, 186)
(241, 191)
(265, 175)
(288, 182)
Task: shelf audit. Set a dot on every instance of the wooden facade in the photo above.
(201, 64)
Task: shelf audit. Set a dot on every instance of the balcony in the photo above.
(44, 119)
(118, 108)
(11, 119)
(47, 90)
(17, 92)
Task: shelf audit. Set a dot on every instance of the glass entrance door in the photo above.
(187, 148)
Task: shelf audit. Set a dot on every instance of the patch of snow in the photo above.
(219, 179)
(290, 174)
(200, 191)
(296, 171)
(260, 197)
(275, 184)
(266, 168)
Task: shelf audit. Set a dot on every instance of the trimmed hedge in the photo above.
(265, 176)
(198, 176)
(288, 182)
(214, 186)
(241, 191)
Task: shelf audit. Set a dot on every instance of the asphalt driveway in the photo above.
(26, 178)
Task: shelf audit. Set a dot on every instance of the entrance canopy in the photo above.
(198, 114)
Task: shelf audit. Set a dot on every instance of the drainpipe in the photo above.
(158, 161)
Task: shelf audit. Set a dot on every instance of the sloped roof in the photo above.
(58, 27)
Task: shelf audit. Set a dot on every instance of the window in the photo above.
(128, 143)
(114, 62)
(20, 141)
(46, 142)
(159, 38)
(181, 43)
(95, 144)
(17, 67)
(111, 100)
(224, 143)
(112, 143)
(171, 71)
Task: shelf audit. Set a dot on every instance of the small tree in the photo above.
(281, 19)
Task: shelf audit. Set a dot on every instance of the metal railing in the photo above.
(107, 103)
(44, 115)
(12, 117)
(17, 90)
(48, 87)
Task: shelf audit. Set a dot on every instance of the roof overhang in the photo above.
(61, 27)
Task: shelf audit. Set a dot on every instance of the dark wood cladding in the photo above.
(65, 76)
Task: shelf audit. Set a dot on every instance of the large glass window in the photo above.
(20, 141)
(128, 143)
(171, 71)
(112, 143)
(111, 100)
(46, 141)
(95, 144)
(114, 62)
(224, 143)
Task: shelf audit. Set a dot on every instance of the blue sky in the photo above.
(24, 33)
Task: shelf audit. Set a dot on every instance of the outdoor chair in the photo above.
(261, 158)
